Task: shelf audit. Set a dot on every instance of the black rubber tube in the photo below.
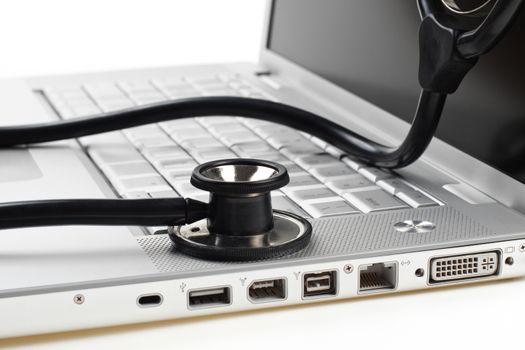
(140, 212)
(354, 145)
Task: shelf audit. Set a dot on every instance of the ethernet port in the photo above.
(319, 284)
(262, 291)
(377, 277)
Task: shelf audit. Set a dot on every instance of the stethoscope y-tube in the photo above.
(239, 223)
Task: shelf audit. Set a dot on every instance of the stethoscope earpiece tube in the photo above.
(354, 145)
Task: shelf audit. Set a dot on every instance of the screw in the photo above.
(522, 247)
(79, 299)
(348, 268)
(195, 229)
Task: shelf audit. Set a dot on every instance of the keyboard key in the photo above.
(302, 179)
(114, 105)
(177, 163)
(180, 124)
(155, 141)
(136, 195)
(137, 86)
(350, 183)
(375, 174)
(375, 200)
(114, 153)
(283, 203)
(225, 91)
(236, 138)
(341, 207)
(163, 194)
(190, 134)
(393, 186)
(292, 168)
(296, 151)
(143, 131)
(316, 161)
(331, 172)
(177, 175)
(206, 155)
(319, 142)
(255, 123)
(104, 91)
(132, 169)
(84, 110)
(210, 121)
(172, 83)
(186, 189)
(353, 163)
(201, 142)
(161, 152)
(284, 140)
(415, 199)
(274, 130)
(145, 183)
(277, 157)
(251, 149)
(228, 128)
(105, 140)
(334, 151)
(147, 99)
(177, 94)
(203, 80)
(202, 197)
(312, 194)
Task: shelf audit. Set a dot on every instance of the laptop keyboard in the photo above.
(156, 160)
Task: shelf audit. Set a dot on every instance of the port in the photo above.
(149, 300)
(267, 290)
(461, 267)
(377, 277)
(319, 284)
(210, 297)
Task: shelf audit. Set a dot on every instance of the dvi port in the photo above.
(459, 267)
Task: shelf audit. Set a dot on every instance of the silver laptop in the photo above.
(453, 217)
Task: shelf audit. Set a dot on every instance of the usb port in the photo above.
(210, 297)
(318, 284)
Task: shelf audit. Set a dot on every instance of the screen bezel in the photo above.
(441, 155)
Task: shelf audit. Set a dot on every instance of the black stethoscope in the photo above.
(239, 223)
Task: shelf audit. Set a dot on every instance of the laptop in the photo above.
(453, 217)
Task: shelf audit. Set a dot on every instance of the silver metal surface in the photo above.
(240, 173)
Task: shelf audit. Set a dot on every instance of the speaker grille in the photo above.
(357, 235)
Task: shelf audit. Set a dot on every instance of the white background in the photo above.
(59, 36)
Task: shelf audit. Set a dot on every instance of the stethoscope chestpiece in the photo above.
(241, 224)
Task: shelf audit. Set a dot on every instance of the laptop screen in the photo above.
(370, 48)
